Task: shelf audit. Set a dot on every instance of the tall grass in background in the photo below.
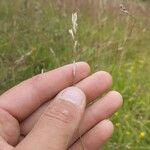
(34, 36)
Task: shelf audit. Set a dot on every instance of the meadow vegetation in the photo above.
(34, 36)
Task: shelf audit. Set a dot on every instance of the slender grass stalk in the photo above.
(125, 11)
(73, 32)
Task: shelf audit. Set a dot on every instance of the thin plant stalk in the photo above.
(73, 32)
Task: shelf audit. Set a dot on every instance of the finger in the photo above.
(27, 125)
(93, 86)
(23, 99)
(95, 138)
(58, 123)
(9, 128)
(99, 111)
(4, 145)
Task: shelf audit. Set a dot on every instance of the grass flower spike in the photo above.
(74, 22)
(73, 32)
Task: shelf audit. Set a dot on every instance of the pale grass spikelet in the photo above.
(55, 56)
(23, 57)
(52, 51)
(74, 22)
(74, 68)
(42, 71)
(123, 9)
(75, 45)
(73, 32)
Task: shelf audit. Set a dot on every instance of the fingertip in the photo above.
(106, 129)
(85, 67)
(105, 76)
(108, 125)
(117, 98)
(96, 137)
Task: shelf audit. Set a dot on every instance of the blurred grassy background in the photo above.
(34, 36)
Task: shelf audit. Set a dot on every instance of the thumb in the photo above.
(55, 128)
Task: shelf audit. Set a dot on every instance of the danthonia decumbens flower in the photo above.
(73, 32)
(74, 22)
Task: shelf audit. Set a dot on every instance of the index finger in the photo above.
(26, 97)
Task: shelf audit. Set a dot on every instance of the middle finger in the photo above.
(93, 87)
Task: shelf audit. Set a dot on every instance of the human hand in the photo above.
(32, 117)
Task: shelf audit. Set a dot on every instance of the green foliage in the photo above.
(34, 36)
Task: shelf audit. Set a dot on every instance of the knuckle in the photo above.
(60, 114)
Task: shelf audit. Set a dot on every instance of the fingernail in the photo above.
(73, 95)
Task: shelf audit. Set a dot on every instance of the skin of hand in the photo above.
(47, 111)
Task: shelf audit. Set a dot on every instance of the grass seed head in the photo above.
(74, 22)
